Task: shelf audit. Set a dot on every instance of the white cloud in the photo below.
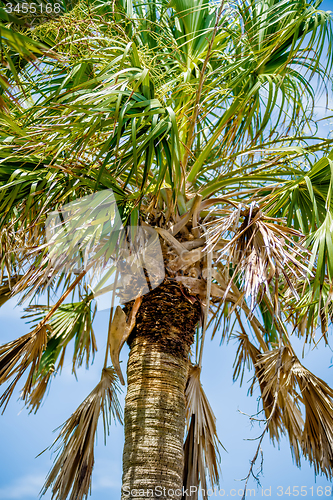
(25, 487)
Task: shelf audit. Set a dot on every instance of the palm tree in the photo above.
(194, 117)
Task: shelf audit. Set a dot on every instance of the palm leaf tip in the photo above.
(201, 445)
(72, 471)
(16, 357)
(38, 391)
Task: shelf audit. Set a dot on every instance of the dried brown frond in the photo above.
(71, 473)
(259, 251)
(17, 356)
(201, 445)
(287, 417)
(317, 442)
(298, 385)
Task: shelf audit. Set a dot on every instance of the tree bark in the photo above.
(155, 404)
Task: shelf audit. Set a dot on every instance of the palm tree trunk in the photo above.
(155, 405)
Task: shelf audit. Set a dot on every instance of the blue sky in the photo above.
(24, 436)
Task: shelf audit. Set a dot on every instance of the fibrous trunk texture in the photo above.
(155, 405)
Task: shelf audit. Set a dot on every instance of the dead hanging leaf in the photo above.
(278, 386)
(258, 251)
(317, 438)
(201, 445)
(280, 392)
(71, 473)
(314, 437)
(119, 332)
(15, 359)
